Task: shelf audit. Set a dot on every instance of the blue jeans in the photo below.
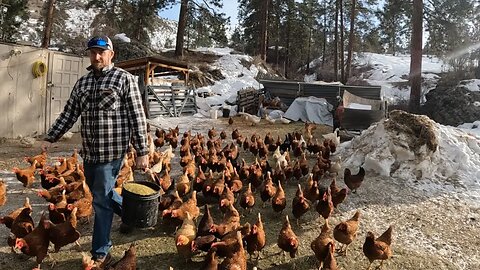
(100, 178)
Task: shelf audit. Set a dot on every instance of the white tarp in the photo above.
(311, 109)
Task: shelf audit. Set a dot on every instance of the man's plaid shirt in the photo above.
(111, 114)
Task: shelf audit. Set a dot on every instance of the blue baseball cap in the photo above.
(101, 42)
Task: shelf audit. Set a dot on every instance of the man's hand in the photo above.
(142, 162)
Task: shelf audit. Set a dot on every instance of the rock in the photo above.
(27, 141)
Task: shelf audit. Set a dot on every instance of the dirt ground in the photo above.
(432, 229)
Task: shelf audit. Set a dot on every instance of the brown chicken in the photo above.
(8, 219)
(320, 244)
(226, 198)
(330, 263)
(40, 158)
(267, 189)
(247, 199)
(183, 184)
(255, 239)
(236, 260)
(230, 222)
(21, 226)
(184, 237)
(64, 233)
(287, 240)
(203, 243)
(26, 175)
(338, 195)
(205, 222)
(279, 201)
(345, 232)
(311, 189)
(235, 183)
(35, 243)
(128, 261)
(300, 204)
(354, 181)
(229, 242)
(325, 205)
(190, 206)
(378, 249)
(3, 193)
(55, 216)
(211, 261)
(85, 204)
(53, 195)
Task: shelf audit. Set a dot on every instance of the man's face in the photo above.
(100, 58)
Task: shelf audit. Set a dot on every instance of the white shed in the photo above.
(35, 84)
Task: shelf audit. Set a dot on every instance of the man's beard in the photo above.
(98, 66)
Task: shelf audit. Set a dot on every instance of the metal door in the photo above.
(65, 70)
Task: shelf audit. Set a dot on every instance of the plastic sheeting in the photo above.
(311, 109)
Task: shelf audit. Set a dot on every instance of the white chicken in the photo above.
(276, 155)
(284, 120)
(336, 166)
(251, 118)
(333, 136)
(269, 119)
(282, 160)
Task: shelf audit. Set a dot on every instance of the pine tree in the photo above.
(395, 26)
(213, 22)
(13, 13)
(135, 18)
(453, 28)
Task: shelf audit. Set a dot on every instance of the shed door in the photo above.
(65, 71)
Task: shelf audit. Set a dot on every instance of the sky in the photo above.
(230, 9)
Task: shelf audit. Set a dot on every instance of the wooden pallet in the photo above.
(171, 101)
(247, 100)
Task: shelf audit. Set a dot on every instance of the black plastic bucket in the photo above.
(140, 211)
(226, 112)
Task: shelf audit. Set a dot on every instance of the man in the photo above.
(110, 105)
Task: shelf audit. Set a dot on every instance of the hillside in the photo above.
(77, 23)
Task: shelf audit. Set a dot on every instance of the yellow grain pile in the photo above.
(139, 189)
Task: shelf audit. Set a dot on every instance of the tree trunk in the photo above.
(48, 24)
(263, 33)
(309, 48)
(182, 23)
(351, 41)
(342, 45)
(287, 41)
(416, 57)
(324, 49)
(335, 44)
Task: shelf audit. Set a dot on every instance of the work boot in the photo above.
(103, 262)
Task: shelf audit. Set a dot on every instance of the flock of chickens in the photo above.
(214, 172)
(65, 189)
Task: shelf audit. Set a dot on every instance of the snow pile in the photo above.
(471, 85)
(391, 72)
(434, 151)
(237, 77)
